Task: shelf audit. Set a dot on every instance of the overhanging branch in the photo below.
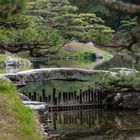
(123, 7)
(24, 46)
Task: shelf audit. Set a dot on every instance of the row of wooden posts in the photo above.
(90, 97)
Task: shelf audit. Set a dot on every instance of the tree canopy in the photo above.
(22, 32)
(46, 25)
(62, 16)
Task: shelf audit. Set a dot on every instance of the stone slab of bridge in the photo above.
(36, 75)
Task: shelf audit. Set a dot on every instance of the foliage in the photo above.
(127, 24)
(111, 18)
(22, 32)
(124, 32)
(122, 81)
(8, 7)
(62, 16)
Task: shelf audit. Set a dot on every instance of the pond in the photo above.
(87, 124)
(100, 64)
(120, 61)
(94, 124)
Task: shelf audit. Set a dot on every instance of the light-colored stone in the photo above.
(124, 71)
(11, 61)
(16, 61)
(39, 106)
(57, 74)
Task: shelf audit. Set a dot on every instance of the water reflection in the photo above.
(121, 61)
(14, 69)
(95, 124)
(102, 64)
(84, 64)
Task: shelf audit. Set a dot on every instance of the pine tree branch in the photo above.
(24, 46)
(127, 8)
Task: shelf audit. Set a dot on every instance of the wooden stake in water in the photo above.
(43, 94)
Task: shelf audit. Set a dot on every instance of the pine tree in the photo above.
(20, 31)
(60, 14)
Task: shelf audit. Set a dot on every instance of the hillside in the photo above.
(16, 121)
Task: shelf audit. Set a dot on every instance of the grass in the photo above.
(16, 121)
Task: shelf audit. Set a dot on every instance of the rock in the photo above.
(117, 97)
(39, 106)
(23, 97)
(124, 71)
(99, 55)
(91, 44)
(11, 61)
(16, 61)
(129, 100)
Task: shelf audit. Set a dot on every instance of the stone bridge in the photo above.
(36, 75)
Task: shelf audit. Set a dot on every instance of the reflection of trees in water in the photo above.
(96, 124)
(121, 61)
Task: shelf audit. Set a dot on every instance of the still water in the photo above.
(94, 124)
(101, 64)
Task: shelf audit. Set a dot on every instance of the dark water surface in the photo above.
(95, 125)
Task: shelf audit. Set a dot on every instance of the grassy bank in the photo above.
(16, 121)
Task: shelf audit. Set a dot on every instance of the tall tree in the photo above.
(65, 18)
